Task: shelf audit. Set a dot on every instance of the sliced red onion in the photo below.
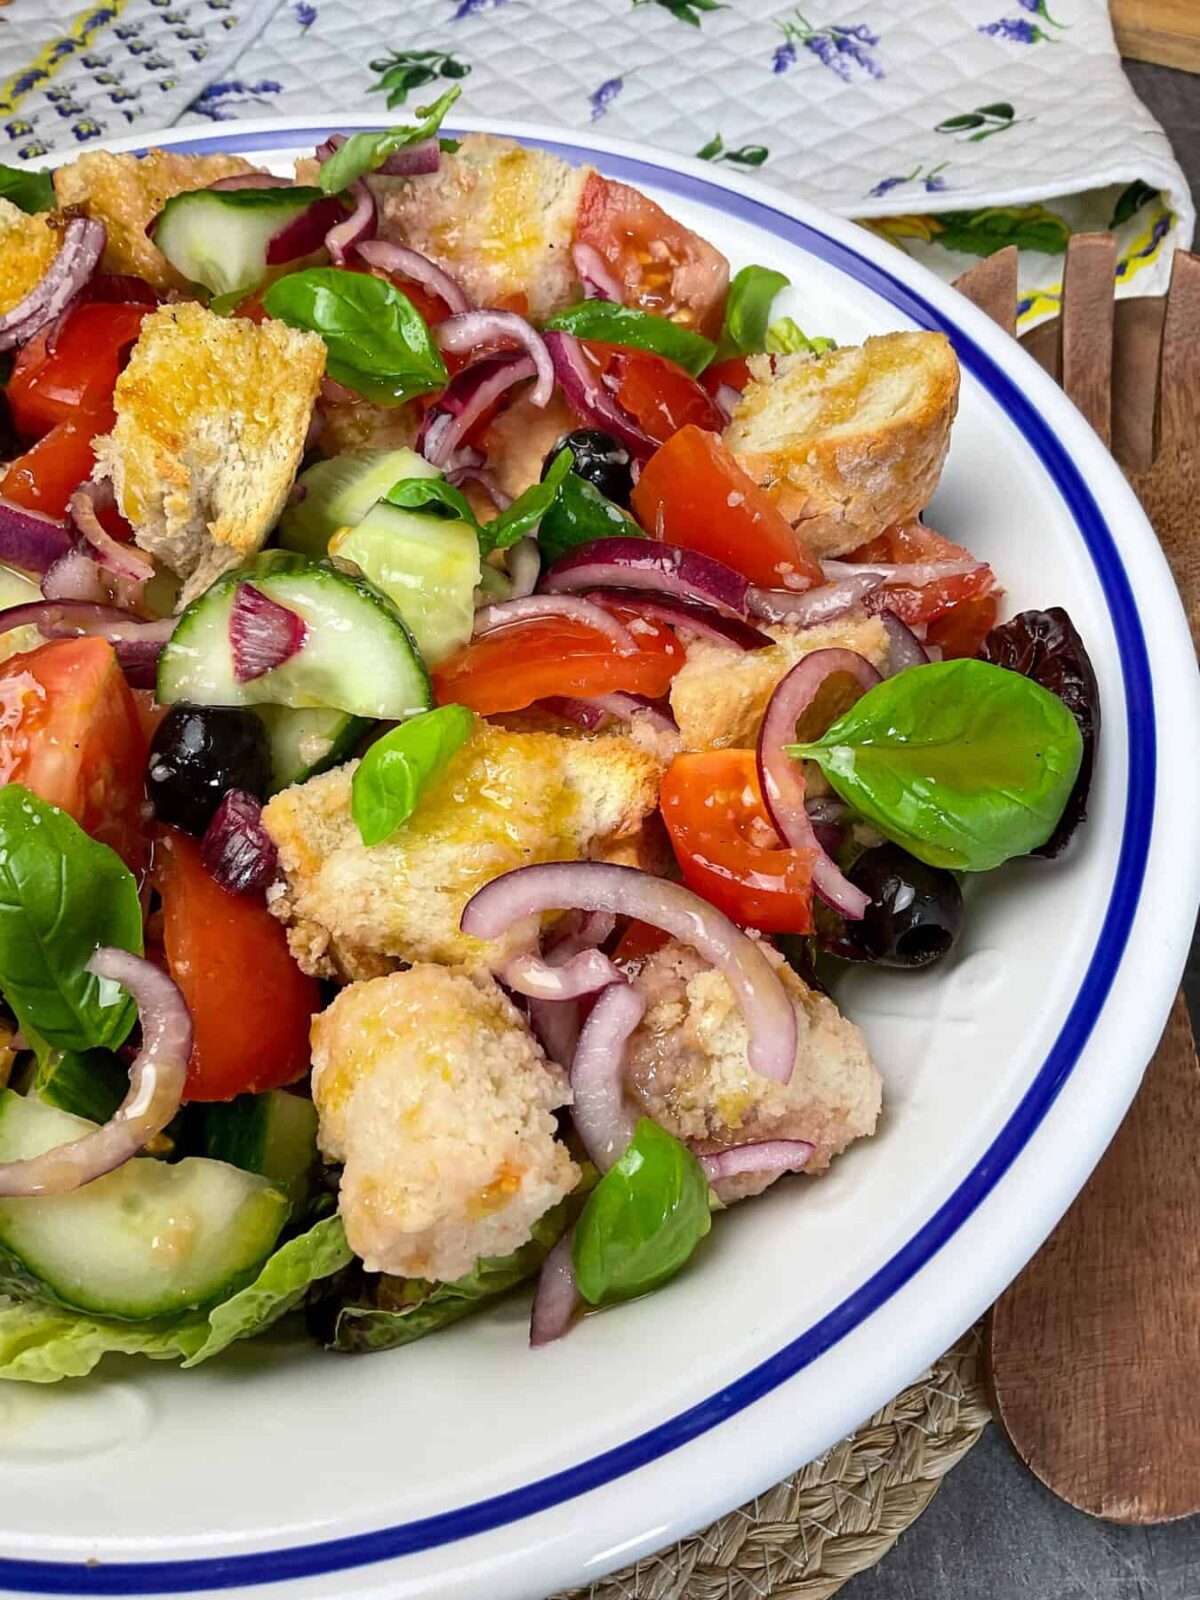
(466, 398)
(262, 633)
(814, 606)
(904, 648)
(469, 472)
(412, 162)
(305, 233)
(388, 256)
(584, 714)
(524, 566)
(587, 396)
(774, 1156)
(628, 706)
(468, 330)
(78, 576)
(912, 574)
(137, 644)
(603, 1117)
(571, 608)
(126, 560)
(156, 1081)
(556, 1300)
(30, 540)
(585, 972)
(626, 891)
(726, 399)
(253, 180)
(556, 1022)
(692, 616)
(237, 850)
(782, 780)
(647, 564)
(82, 245)
(355, 229)
(595, 274)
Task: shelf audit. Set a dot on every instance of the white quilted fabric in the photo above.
(953, 125)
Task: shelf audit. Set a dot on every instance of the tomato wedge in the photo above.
(692, 492)
(961, 631)
(664, 267)
(546, 656)
(71, 730)
(251, 1005)
(46, 476)
(726, 847)
(661, 396)
(735, 372)
(907, 542)
(78, 376)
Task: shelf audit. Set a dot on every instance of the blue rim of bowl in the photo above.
(383, 1544)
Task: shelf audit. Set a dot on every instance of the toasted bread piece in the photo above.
(688, 1067)
(505, 801)
(497, 215)
(719, 695)
(439, 1101)
(127, 192)
(519, 439)
(212, 414)
(28, 244)
(851, 441)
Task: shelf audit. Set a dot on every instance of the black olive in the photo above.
(198, 754)
(1044, 646)
(601, 459)
(915, 912)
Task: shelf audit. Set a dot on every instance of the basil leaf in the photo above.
(785, 338)
(377, 341)
(528, 509)
(27, 189)
(397, 769)
(61, 895)
(962, 763)
(747, 311)
(364, 152)
(579, 514)
(639, 330)
(434, 495)
(642, 1220)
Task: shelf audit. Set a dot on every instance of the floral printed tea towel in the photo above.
(954, 127)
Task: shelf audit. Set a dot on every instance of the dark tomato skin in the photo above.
(198, 754)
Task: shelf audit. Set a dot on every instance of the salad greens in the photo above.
(785, 338)
(579, 514)
(642, 1220)
(519, 519)
(27, 189)
(364, 152)
(377, 340)
(751, 295)
(397, 769)
(42, 1343)
(61, 895)
(962, 763)
(640, 330)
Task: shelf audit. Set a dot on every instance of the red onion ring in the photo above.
(253, 180)
(468, 472)
(912, 574)
(262, 633)
(355, 229)
(587, 396)
(781, 778)
(467, 397)
(814, 606)
(628, 706)
(585, 972)
(569, 708)
(137, 644)
(904, 648)
(556, 1022)
(772, 1155)
(156, 1081)
(556, 1300)
(595, 274)
(468, 330)
(602, 1116)
(388, 256)
(78, 255)
(691, 616)
(306, 232)
(626, 891)
(413, 162)
(237, 850)
(570, 607)
(646, 564)
(126, 560)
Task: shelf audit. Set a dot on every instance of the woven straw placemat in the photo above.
(839, 1515)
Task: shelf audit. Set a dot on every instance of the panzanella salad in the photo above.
(471, 672)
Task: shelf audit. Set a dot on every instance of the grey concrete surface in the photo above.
(993, 1532)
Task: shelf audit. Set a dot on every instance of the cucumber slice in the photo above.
(148, 1240)
(273, 1134)
(428, 565)
(18, 590)
(219, 237)
(358, 657)
(87, 1083)
(307, 742)
(339, 493)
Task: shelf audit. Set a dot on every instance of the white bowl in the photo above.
(469, 1466)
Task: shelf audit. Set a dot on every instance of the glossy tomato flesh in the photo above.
(48, 474)
(909, 542)
(659, 395)
(79, 374)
